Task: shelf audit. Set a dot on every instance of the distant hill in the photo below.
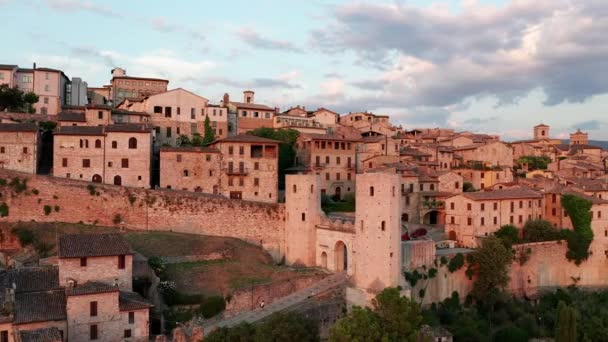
(601, 143)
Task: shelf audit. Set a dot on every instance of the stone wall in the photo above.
(246, 299)
(143, 209)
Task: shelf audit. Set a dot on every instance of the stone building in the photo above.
(485, 177)
(471, 215)
(191, 169)
(579, 138)
(248, 167)
(333, 157)
(19, 147)
(178, 112)
(123, 86)
(490, 154)
(113, 154)
(248, 114)
(88, 296)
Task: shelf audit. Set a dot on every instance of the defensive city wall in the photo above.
(141, 209)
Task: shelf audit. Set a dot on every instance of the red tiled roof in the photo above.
(502, 194)
(251, 106)
(18, 127)
(72, 116)
(78, 130)
(39, 307)
(248, 138)
(129, 301)
(52, 334)
(129, 127)
(333, 136)
(91, 287)
(195, 149)
(92, 245)
(139, 78)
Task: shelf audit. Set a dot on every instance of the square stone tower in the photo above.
(377, 252)
(302, 215)
(541, 132)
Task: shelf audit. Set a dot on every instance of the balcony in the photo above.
(236, 171)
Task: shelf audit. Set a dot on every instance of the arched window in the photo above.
(97, 143)
(117, 180)
(371, 191)
(185, 172)
(132, 143)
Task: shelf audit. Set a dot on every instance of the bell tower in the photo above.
(302, 215)
(541, 132)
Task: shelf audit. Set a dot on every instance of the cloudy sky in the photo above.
(490, 66)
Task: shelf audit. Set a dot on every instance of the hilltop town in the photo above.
(359, 202)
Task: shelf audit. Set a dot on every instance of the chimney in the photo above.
(34, 66)
(226, 100)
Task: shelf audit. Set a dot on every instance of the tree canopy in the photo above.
(14, 99)
(579, 239)
(209, 136)
(392, 318)
(491, 264)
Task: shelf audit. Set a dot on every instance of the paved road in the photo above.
(295, 298)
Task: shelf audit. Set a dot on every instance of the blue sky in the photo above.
(488, 66)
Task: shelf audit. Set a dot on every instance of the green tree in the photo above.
(29, 99)
(183, 140)
(11, 98)
(540, 230)
(399, 316)
(508, 234)
(565, 327)
(289, 326)
(196, 140)
(209, 136)
(491, 265)
(287, 151)
(243, 332)
(468, 187)
(579, 211)
(360, 325)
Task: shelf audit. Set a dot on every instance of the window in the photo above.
(495, 220)
(483, 206)
(383, 225)
(121, 262)
(100, 115)
(338, 176)
(452, 220)
(327, 160)
(456, 185)
(230, 150)
(230, 181)
(241, 181)
(407, 200)
(495, 206)
(178, 131)
(179, 158)
(469, 221)
(93, 332)
(83, 261)
(192, 113)
(158, 110)
(256, 182)
(554, 212)
(185, 173)
(241, 150)
(127, 333)
(469, 206)
(483, 221)
(132, 143)
(86, 163)
(131, 317)
(371, 191)
(3, 333)
(97, 143)
(338, 160)
(46, 100)
(47, 88)
(64, 162)
(93, 309)
(521, 219)
(303, 217)
(256, 166)
(421, 187)
(2, 150)
(167, 112)
(168, 132)
(521, 204)
(451, 205)
(327, 176)
(179, 110)
(124, 163)
(114, 144)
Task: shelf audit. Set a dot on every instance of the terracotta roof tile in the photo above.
(91, 287)
(502, 194)
(18, 127)
(71, 116)
(129, 127)
(185, 149)
(251, 106)
(39, 307)
(248, 138)
(91, 245)
(132, 301)
(78, 130)
(41, 335)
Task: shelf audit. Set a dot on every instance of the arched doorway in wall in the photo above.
(432, 217)
(341, 255)
(324, 260)
(117, 180)
(337, 194)
(96, 179)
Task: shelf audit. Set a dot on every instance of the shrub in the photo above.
(26, 237)
(412, 277)
(443, 260)
(540, 230)
(468, 187)
(3, 209)
(157, 265)
(432, 273)
(212, 306)
(580, 238)
(117, 219)
(35, 191)
(132, 199)
(456, 263)
(91, 189)
(43, 248)
(2, 182)
(18, 184)
(508, 234)
(47, 210)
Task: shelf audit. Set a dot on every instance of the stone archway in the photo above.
(434, 217)
(96, 179)
(324, 260)
(337, 193)
(341, 257)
